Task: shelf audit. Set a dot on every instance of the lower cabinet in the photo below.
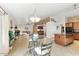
(76, 36)
(63, 39)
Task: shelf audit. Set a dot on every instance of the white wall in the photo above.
(0, 32)
(4, 39)
(50, 28)
(60, 18)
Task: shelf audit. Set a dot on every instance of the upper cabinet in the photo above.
(73, 22)
(73, 19)
(76, 25)
(69, 24)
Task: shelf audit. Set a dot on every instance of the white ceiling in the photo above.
(21, 11)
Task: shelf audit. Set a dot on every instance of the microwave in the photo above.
(69, 30)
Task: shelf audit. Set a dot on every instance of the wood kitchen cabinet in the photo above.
(73, 22)
(76, 36)
(70, 24)
(63, 39)
(76, 25)
(72, 19)
(75, 28)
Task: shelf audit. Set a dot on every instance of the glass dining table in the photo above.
(35, 48)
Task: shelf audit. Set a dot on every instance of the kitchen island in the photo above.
(64, 39)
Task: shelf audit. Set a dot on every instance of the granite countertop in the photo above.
(67, 35)
(63, 34)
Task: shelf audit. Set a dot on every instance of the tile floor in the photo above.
(20, 49)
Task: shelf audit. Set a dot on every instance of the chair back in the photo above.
(45, 48)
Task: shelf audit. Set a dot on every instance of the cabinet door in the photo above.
(76, 36)
(69, 24)
(66, 24)
(76, 25)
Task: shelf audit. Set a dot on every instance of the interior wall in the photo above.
(0, 32)
(60, 22)
(4, 39)
(50, 29)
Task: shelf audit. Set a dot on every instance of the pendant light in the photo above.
(35, 18)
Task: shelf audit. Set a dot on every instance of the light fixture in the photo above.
(35, 18)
